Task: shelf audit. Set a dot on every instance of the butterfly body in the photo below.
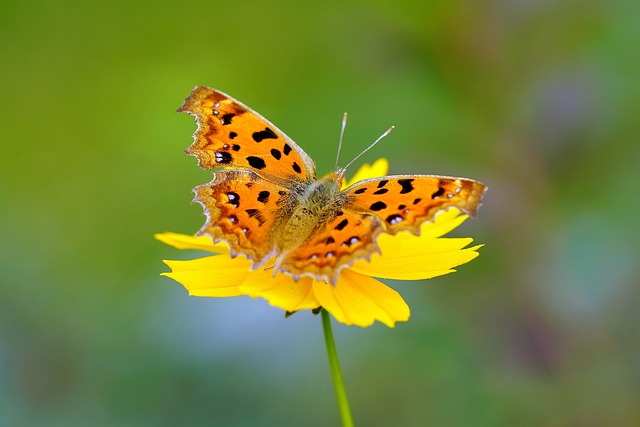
(267, 204)
(313, 207)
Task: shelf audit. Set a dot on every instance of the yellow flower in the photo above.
(357, 298)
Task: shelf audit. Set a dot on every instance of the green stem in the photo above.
(334, 365)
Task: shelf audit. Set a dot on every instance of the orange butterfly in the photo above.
(266, 202)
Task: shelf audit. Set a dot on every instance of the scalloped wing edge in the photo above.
(190, 106)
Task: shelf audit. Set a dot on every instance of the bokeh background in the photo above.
(537, 98)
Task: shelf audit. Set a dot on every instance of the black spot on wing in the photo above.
(232, 135)
(223, 157)
(329, 240)
(407, 185)
(234, 199)
(342, 224)
(360, 190)
(286, 149)
(226, 119)
(350, 241)
(438, 193)
(394, 219)
(264, 134)
(381, 191)
(263, 197)
(255, 213)
(378, 206)
(256, 162)
(276, 154)
(296, 167)
(235, 147)
(382, 183)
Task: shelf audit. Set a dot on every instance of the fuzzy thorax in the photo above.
(318, 204)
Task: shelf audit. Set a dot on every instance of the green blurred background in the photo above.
(538, 99)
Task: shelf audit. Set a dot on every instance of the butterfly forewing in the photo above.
(231, 135)
(405, 202)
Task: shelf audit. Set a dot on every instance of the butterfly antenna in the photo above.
(344, 125)
(387, 132)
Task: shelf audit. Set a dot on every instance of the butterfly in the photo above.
(266, 202)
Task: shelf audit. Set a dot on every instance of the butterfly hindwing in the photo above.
(242, 209)
(339, 243)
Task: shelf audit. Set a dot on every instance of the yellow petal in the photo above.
(280, 291)
(379, 168)
(444, 222)
(361, 300)
(417, 259)
(409, 257)
(214, 276)
(184, 241)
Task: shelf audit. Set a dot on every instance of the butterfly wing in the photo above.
(405, 202)
(257, 185)
(242, 209)
(232, 135)
(389, 204)
(348, 237)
